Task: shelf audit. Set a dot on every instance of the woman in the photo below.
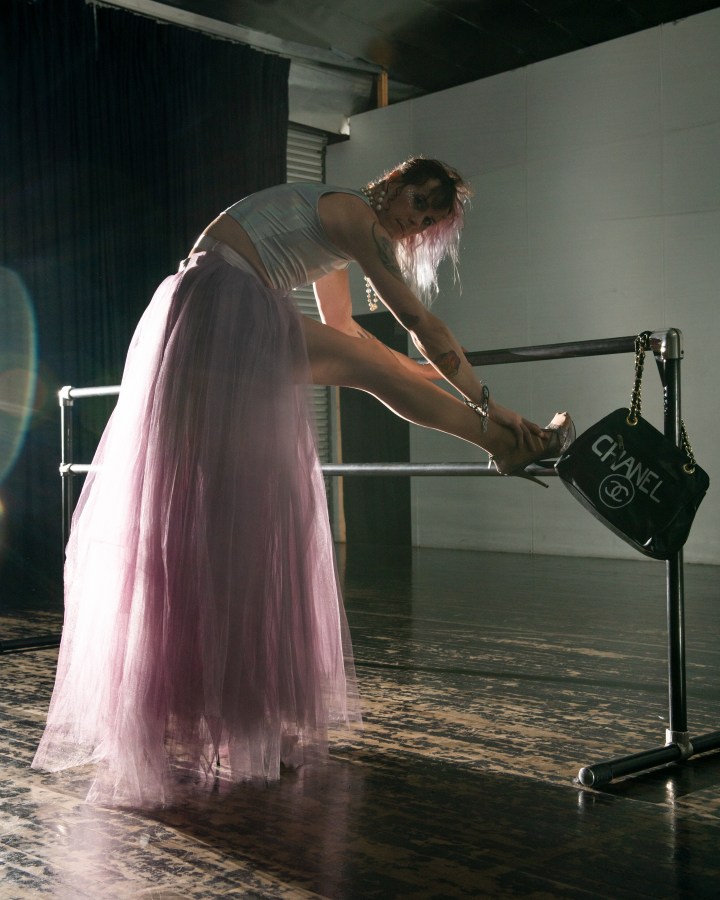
(203, 619)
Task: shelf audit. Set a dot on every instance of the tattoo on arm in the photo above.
(448, 363)
(386, 254)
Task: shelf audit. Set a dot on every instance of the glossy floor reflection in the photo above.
(487, 680)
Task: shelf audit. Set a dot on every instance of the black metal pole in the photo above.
(41, 642)
(604, 772)
(602, 347)
(677, 689)
(677, 685)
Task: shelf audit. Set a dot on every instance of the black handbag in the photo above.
(633, 479)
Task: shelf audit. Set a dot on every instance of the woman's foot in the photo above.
(559, 434)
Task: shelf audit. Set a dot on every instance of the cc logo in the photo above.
(616, 491)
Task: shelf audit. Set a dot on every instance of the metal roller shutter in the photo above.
(306, 162)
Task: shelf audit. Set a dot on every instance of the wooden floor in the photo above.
(488, 680)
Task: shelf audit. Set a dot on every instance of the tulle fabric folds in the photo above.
(202, 612)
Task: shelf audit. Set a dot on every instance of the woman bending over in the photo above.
(203, 619)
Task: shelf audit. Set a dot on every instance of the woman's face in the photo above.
(407, 210)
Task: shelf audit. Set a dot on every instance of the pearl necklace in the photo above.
(376, 202)
(371, 295)
(375, 199)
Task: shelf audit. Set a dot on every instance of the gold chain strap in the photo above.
(690, 465)
(642, 343)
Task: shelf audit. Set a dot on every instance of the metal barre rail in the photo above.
(668, 351)
(664, 344)
(393, 469)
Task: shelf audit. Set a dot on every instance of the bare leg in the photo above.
(367, 365)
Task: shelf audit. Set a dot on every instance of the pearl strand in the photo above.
(376, 202)
(376, 198)
(370, 295)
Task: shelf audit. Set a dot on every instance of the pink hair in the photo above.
(420, 255)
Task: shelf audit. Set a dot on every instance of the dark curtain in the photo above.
(120, 139)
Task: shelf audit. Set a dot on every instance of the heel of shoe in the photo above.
(522, 473)
(518, 473)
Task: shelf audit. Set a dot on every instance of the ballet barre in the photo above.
(667, 349)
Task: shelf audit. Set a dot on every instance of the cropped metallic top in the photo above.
(284, 226)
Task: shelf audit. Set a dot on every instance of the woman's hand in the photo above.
(527, 434)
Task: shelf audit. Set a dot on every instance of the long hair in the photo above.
(420, 255)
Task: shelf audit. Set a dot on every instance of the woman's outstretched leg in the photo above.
(366, 364)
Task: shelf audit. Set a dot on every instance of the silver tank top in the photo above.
(284, 226)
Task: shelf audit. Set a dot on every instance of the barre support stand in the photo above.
(678, 744)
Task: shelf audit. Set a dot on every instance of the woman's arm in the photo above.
(334, 302)
(356, 230)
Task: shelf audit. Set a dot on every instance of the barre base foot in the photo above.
(17, 645)
(681, 749)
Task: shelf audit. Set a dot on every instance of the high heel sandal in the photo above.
(562, 429)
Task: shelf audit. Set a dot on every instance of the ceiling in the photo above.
(427, 45)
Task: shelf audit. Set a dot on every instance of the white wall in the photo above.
(596, 214)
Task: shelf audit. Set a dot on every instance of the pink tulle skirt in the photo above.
(202, 611)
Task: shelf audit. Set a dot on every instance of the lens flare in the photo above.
(18, 367)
